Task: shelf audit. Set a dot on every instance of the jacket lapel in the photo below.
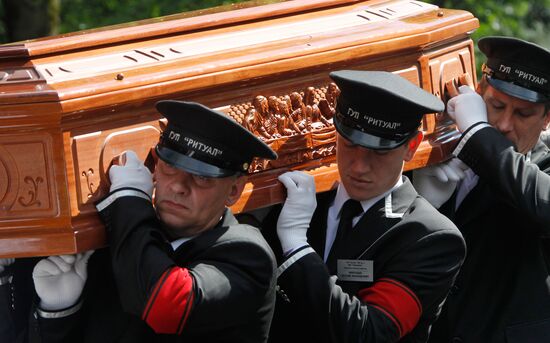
(378, 220)
(193, 247)
(316, 235)
(371, 226)
(540, 155)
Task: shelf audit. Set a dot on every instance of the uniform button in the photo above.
(456, 340)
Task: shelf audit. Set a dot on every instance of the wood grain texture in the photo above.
(69, 104)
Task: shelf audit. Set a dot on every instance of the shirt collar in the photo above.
(342, 196)
(176, 243)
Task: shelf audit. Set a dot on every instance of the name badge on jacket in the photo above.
(355, 270)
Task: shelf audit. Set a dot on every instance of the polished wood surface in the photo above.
(69, 104)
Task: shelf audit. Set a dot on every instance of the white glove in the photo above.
(133, 174)
(59, 280)
(437, 183)
(4, 262)
(297, 210)
(467, 108)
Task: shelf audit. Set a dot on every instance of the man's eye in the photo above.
(203, 181)
(524, 114)
(498, 105)
(381, 152)
(168, 169)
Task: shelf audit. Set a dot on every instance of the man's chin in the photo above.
(170, 225)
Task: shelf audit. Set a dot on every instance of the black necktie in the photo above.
(351, 209)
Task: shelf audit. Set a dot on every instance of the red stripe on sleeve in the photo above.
(395, 300)
(170, 302)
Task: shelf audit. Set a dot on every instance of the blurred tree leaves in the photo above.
(26, 19)
(528, 20)
(85, 14)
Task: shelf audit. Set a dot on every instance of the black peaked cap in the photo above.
(517, 68)
(380, 110)
(206, 142)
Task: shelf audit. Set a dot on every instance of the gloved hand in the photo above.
(437, 183)
(4, 262)
(297, 210)
(467, 108)
(132, 174)
(59, 280)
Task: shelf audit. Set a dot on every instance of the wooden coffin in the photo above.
(69, 103)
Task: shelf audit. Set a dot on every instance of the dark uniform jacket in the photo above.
(416, 254)
(216, 287)
(502, 293)
(16, 300)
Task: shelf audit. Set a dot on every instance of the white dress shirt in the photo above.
(333, 217)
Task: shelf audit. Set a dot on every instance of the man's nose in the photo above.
(504, 121)
(362, 159)
(181, 183)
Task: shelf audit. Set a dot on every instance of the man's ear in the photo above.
(478, 88)
(413, 145)
(236, 190)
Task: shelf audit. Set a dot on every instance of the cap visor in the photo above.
(516, 91)
(190, 164)
(367, 140)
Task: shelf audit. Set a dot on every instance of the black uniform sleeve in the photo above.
(235, 283)
(416, 280)
(223, 286)
(57, 327)
(16, 295)
(140, 255)
(7, 323)
(522, 183)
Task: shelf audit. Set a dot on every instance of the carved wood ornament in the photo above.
(69, 104)
(297, 125)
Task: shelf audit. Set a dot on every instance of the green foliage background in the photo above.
(526, 19)
(529, 20)
(85, 14)
(75, 15)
